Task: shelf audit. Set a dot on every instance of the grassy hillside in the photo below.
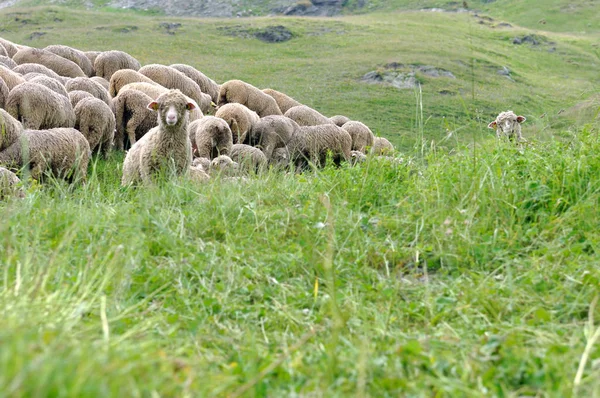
(465, 268)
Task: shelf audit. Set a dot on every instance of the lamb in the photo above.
(9, 184)
(102, 81)
(11, 130)
(508, 124)
(108, 62)
(382, 146)
(280, 158)
(58, 64)
(3, 93)
(123, 77)
(224, 165)
(49, 82)
(64, 152)
(173, 79)
(306, 116)
(362, 137)
(10, 47)
(10, 78)
(96, 121)
(207, 85)
(167, 146)
(249, 158)
(77, 95)
(203, 163)
(357, 157)
(210, 137)
(7, 61)
(239, 118)
(312, 143)
(133, 117)
(339, 120)
(25, 69)
(92, 87)
(284, 102)
(248, 95)
(272, 132)
(74, 55)
(38, 107)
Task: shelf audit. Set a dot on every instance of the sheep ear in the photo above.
(492, 125)
(521, 119)
(153, 106)
(190, 106)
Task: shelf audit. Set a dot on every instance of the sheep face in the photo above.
(172, 107)
(508, 124)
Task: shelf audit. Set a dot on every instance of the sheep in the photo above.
(74, 55)
(49, 82)
(38, 107)
(198, 174)
(362, 137)
(62, 151)
(280, 158)
(207, 106)
(9, 184)
(10, 47)
(92, 87)
(239, 118)
(284, 102)
(10, 130)
(210, 137)
(224, 166)
(7, 61)
(10, 77)
(508, 124)
(272, 132)
(357, 157)
(108, 62)
(173, 79)
(312, 143)
(133, 117)
(26, 68)
(207, 85)
(154, 90)
(58, 64)
(203, 163)
(248, 157)
(166, 146)
(306, 116)
(102, 81)
(382, 146)
(96, 121)
(339, 120)
(248, 95)
(77, 95)
(3, 93)
(123, 77)
(92, 55)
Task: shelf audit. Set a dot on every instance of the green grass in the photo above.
(468, 269)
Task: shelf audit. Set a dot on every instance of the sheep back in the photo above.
(339, 120)
(10, 47)
(77, 95)
(38, 107)
(76, 56)
(173, 79)
(58, 64)
(362, 137)
(239, 118)
(272, 132)
(102, 81)
(10, 77)
(27, 68)
(312, 143)
(248, 95)
(382, 146)
(306, 116)
(108, 62)
(123, 77)
(7, 61)
(284, 102)
(9, 184)
(249, 157)
(92, 87)
(207, 85)
(49, 82)
(3, 93)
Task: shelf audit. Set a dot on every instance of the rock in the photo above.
(404, 76)
(274, 34)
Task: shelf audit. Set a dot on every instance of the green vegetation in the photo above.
(467, 269)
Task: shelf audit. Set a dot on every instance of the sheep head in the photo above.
(172, 107)
(508, 124)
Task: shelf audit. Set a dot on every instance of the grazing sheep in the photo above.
(339, 120)
(102, 81)
(362, 137)
(248, 95)
(249, 158)
(167, 146)
(508, 124)
(3, 93)
(284, 102)
(7, 61)
(312, 143)
(38, 107)
(123, 77)
(173, 79)
(10, 129)
(92, 87)
(62, 151)
(203, 163)
(306, 116)
(272, 132)
(10, 78)
(77, 95)
(207, 85)
(280, 158)
(198, 174)
(357, 157)
(224, 166)
(49, 82)
(25, 69)
(207, 106)
(108, 62)
(239, 118)
(58, 64)
(3, 52)
(133, 117)
(74, 55)
(9, 184)
(92, 55)
(96, 121)
(10, 47)
(210, 137)
(381, 146)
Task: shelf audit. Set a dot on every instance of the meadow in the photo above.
(469, 267)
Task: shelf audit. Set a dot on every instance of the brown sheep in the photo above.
(239, 118)
(248, 95)
(58, 64)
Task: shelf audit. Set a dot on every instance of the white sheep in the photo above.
(313, 143)
(96, 121)
(210, 137)
(38, 107)
(508, 124)
(248, 95)
(306, 116)
(239, 118)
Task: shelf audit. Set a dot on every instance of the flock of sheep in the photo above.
(58, 105)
